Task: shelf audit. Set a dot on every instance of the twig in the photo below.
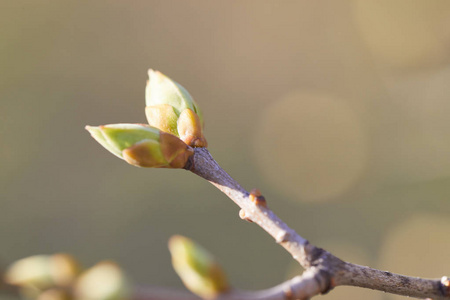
(327, 270)
(160, 293)
(300, 287)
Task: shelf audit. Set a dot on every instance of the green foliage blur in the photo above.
(338, 111)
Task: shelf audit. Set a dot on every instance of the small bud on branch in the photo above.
(197, 268)
(104, 281)
(40, 272)
(170, 108)
(142, 145)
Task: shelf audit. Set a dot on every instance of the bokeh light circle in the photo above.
(418, 247)
(402, 33)
(310, 145)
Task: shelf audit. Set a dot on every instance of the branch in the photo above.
(300, 287)
(159, 293)
(327, 270)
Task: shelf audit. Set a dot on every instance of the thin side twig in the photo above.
(299, 287)
(329, 271)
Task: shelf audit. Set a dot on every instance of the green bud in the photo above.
(117, 137)
(43, 271)
(142, 145)
(104, 281)
(197, 268)
(161, 89)
(166, 103)
(163, 117)
(190, 130)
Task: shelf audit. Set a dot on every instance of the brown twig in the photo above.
(327, 270)
(160, 293)
(300, 287)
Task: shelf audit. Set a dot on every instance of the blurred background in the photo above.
(338, 111)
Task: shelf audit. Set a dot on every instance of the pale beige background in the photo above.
(337, 110)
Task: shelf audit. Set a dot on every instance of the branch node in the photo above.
(189, 164)
(257, 198)
(282, 237)
(325, 281)
(313, 255)
(243, 216)
(288, 293)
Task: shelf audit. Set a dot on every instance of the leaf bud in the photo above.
(170, 108)
(197, 268)
(142, 145)
(43, 271)
(104, 281)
